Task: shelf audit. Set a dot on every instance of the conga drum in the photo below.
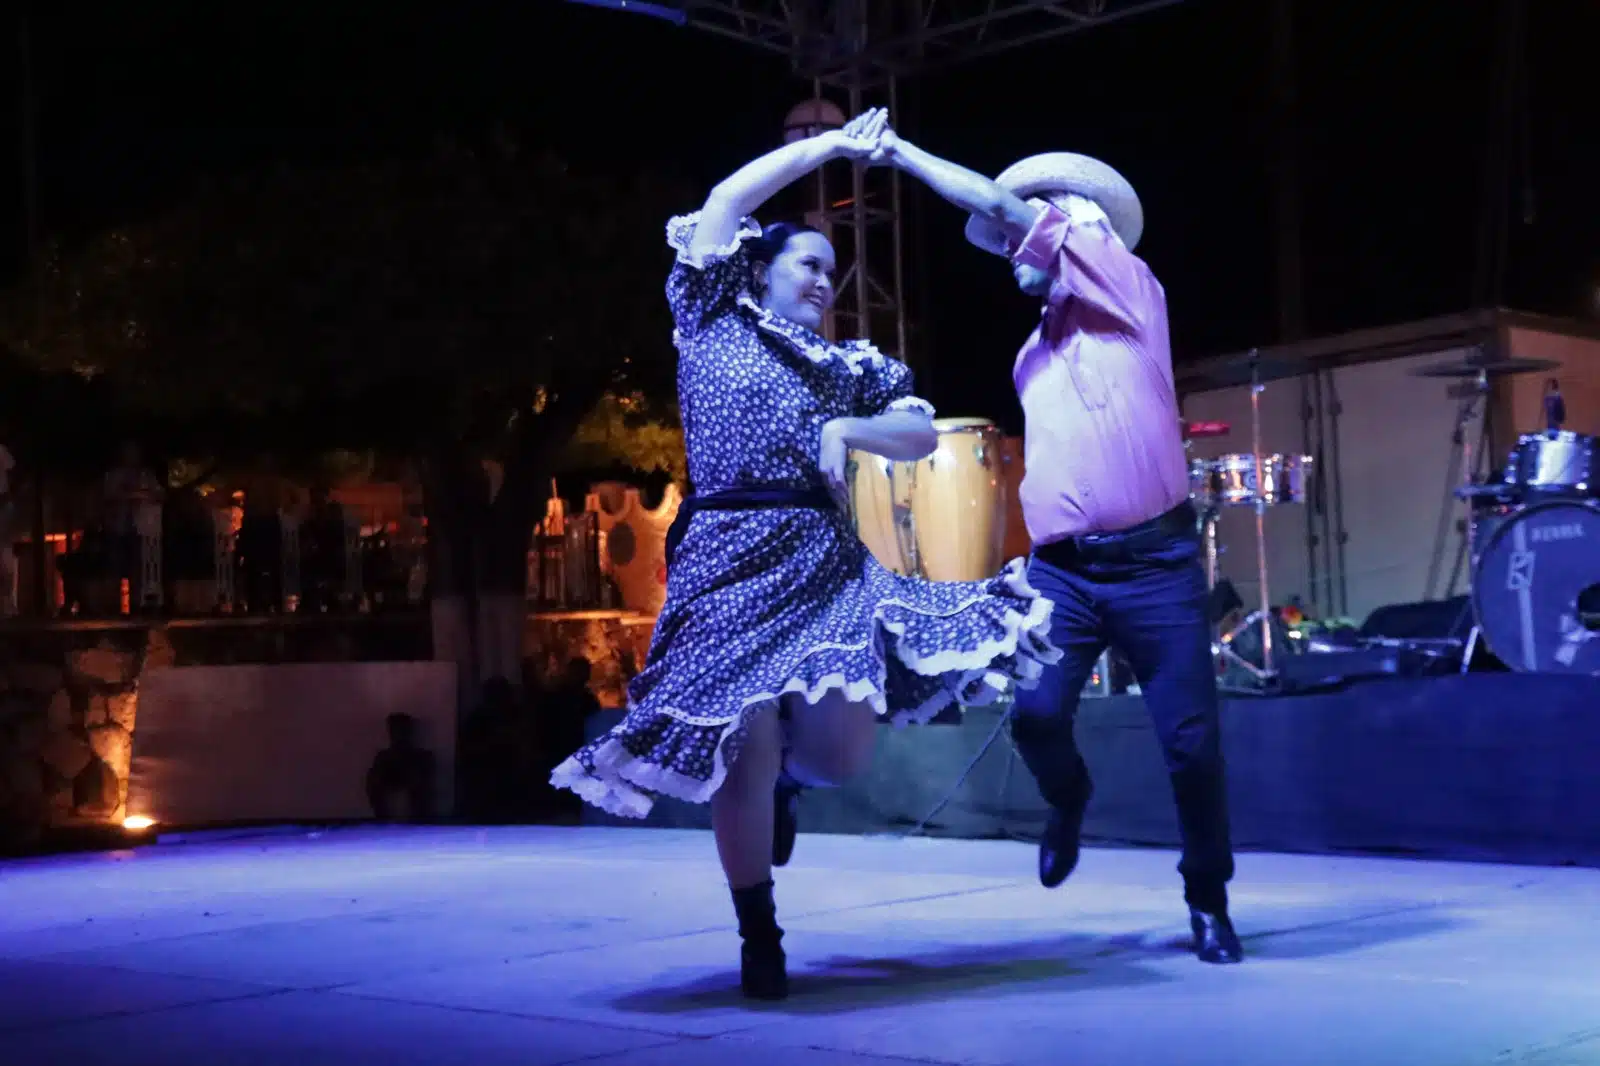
(942, 518)
(882, 520)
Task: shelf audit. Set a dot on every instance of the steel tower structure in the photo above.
(855, 52)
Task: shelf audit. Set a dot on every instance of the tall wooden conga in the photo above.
(942, 518)
(882, 518)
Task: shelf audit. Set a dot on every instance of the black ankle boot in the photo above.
(785, 818)
(762, 967)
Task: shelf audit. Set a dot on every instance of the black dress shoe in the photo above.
(785, 819)
(1214, 938)
(1061, 843)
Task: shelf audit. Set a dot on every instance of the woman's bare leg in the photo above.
(831, 741)
(741, 810)
(741, 820)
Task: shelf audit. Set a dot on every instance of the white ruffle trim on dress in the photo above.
(621, 780)
(853, 353)
(912, 403)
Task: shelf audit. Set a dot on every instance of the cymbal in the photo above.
(1471, 368)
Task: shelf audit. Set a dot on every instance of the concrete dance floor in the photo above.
(541, 946)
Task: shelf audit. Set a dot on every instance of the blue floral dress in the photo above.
(764, 603)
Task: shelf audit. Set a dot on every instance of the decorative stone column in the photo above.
(67, 715)
(632, 547)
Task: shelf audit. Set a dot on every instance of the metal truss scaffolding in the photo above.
(854, 52)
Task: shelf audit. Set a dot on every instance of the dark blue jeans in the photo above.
(1144, 594)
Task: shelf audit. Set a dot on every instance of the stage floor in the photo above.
(547, 945)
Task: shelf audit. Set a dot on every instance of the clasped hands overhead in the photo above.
(868, 138)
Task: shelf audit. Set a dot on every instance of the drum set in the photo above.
(1533, 527)
(1533, 532)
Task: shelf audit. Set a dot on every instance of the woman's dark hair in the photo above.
(773, 240)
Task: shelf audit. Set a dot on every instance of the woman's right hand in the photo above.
(860, 137)
(833, 461)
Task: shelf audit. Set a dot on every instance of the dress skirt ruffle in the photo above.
(764, 604)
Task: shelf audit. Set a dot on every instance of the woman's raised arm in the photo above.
(739, 194)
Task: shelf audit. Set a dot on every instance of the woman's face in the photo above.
(799, 282)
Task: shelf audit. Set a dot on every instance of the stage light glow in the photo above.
(137, 823)
(635, 7)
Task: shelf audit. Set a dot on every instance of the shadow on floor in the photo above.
(1311, 932)
(846, 983)
(843, 983)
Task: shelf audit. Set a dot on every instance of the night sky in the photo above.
(1393, 129)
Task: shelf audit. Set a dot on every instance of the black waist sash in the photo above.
(742, 499)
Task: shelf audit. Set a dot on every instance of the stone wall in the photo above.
(614, 642)
(69, 699)
(69, 691)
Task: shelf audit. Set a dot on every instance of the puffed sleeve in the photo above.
(1086, 262)
(699, 292)
(886, 385)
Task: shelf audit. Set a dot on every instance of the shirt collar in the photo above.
(1083, 212)
(1086, 212)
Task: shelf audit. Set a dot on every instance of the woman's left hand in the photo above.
(859, 137)
(833, 456)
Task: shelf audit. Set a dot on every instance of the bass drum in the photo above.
(1536, 588)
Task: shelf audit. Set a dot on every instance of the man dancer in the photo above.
(1105, 497)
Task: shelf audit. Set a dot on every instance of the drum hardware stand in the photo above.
(1471, 459)
(1208, 531)
(1265, 674)
(1468, 458)
(1471, 646)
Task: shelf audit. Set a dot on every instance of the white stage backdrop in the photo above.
(1394, 483)
(215, 745)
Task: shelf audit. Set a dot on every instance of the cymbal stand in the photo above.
(1208, 531)
(1470, 463)
(1208, 523)
(1470, 460)
(1262, 615)
(1469, 457)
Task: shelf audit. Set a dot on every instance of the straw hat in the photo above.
(1064, 172)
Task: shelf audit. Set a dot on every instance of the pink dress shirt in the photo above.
(1103, 447)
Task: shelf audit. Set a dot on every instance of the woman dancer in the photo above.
(782, 640)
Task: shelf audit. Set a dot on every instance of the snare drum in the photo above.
(1235, 479)
(1203, 484)
(1286, 479)
(1560, 462)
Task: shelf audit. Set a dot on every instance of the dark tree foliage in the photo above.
(475, 304)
